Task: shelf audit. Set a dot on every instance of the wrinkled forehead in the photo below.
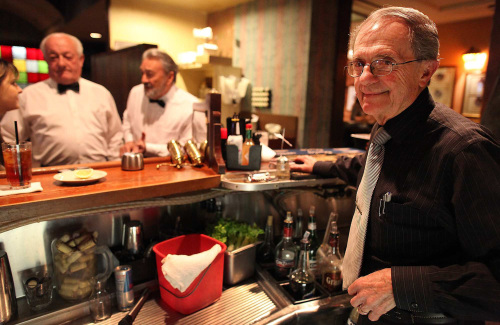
(380, 27)
(151, 64)
(377, 27)
(384, 34)
(57, 44)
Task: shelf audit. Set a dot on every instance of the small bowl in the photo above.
(132, 161)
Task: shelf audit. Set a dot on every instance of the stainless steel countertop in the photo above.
(241, 304)
(257, 301)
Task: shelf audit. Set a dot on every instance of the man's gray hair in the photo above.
(423, 33)
(76, 41)
(166, 61)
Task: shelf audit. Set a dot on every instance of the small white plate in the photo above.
(70, 178)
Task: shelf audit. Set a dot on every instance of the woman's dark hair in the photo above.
(5, 67)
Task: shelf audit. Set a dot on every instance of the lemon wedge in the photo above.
(83, 173)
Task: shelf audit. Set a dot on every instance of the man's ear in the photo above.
(81, 60)
(428, 69)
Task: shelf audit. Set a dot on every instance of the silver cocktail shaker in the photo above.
(8, 303)
(133, 237)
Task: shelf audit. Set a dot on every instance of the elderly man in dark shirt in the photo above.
(432, 246)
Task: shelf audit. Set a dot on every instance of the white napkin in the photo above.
(181, 270)
(34, 187)
(267, 153)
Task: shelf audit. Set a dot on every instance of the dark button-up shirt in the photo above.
(440, 231)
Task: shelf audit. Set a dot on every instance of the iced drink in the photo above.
(17, 161)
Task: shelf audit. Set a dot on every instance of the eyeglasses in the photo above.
(378, 68)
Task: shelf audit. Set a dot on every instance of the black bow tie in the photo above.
(61, 89)
(160, 102)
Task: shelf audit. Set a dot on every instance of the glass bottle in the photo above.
(324, 248)
(100, 302)
(235, 124)
(286, 252)
(245, 150)
(313, 241)
(282, 168)
(265, 253)
(331, 264)
(302, 278)
(298, 230)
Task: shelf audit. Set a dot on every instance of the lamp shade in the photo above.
(474, 59)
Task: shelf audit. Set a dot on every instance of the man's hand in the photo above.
(140, 145)
(127, 147)
(373, 294)
(303, 164)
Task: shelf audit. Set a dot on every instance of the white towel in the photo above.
(181, 270)
(34, 187)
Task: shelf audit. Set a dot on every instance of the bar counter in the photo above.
(59, 200)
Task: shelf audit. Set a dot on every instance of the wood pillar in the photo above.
(330, 23)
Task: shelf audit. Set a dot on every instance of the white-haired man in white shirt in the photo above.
(157, 111)
(70, 120)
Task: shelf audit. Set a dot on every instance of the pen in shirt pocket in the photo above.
(385, 198)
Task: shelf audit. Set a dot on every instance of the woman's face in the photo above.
(9, 91)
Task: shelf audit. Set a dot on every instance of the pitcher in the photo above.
(75, 264)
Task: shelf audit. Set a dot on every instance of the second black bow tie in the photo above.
(160, 102)
(61, 89)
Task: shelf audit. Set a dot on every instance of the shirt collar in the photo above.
(170, 94)
(53, 84)
(409, 121)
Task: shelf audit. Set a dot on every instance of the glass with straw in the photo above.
(17, 160)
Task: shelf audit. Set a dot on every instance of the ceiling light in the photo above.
(96, 35)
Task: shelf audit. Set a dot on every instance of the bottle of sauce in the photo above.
(245, 150)
(235, 137)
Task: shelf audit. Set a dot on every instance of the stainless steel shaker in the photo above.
(8, 303)
(133, 237)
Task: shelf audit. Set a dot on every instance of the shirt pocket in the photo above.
(406, 215)
(413, 233)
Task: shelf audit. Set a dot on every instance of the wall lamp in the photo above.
(474, 59)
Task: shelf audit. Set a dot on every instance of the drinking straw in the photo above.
(283, 139)
(18, 154)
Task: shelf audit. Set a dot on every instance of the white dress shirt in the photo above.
(176, 121)
(69, 128)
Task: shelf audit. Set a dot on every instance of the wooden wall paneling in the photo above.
(330, 25)
(118, 71)
(490, 115)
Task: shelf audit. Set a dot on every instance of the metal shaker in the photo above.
(193, 153)
(8, 303)
(204, 150)
(176, 154)
(133, 237)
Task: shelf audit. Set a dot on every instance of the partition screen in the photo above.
(28, 61)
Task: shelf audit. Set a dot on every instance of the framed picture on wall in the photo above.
(473, 94)
(442, 85)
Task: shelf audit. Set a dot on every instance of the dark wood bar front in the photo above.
(118, 186)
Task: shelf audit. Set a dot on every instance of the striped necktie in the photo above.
(354, 253)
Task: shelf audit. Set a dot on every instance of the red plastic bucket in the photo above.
(206, 288)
